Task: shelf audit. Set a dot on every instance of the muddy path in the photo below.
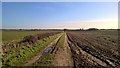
(41, 53)
(63, 55)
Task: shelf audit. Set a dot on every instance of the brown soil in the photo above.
(88, 51)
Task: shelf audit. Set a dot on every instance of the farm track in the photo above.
(84, 54)
(63, 55)
(41, 53)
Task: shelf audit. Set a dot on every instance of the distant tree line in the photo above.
(91, 29)
(81, 29)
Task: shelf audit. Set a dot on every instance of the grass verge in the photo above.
(18, 56)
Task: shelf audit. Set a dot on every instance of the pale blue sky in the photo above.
(60, 0)
(57, 14)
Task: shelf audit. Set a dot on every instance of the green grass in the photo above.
(15, 35)
(45, 60)
(61, 41)
(19, 55)
(8, 35)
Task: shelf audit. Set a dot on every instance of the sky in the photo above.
(52, 15)
(60, 0)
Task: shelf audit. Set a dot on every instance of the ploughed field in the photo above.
(83, 49)
(94, 48)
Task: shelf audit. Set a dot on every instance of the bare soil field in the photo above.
(94, 48)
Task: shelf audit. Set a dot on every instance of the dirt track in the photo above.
(63, 55)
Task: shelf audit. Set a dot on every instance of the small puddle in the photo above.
(47, 50)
